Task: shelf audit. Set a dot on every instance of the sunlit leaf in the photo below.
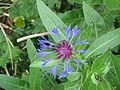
(93, 17)
(90, 85)
(12, 83)
(50, 20)
(113, 76)
(73, 76)
(112, 4)
(108, 40)
(32, 53)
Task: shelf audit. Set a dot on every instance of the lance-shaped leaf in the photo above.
(93, 17)
(50, 20)
(112, 4)
(34, 72)
(108, 40)
(12, 83)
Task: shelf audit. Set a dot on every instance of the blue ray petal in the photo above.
(75, 31)
(81, 42)
(43, 45)
(42, 54)
(45, 62)
(78, 63)
(80, 51)
(46, 41)
(53, 71)
(62, 75)
(68, 32)
(66, 71)
(55, 31)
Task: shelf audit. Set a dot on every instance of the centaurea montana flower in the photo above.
(64, 51)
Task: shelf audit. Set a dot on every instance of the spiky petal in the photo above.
(53, 71)
(66, 71)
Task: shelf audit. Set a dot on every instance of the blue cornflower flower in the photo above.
(64, 51)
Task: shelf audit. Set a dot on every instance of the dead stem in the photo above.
(31, 36)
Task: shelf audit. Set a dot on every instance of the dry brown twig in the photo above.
(5, 26)
(32, 36)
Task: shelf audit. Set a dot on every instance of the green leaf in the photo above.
(38, 26)
(116, 62)
(75, 1)
(88, 1)
(8, 53)
(73, 76)
(90, 85)
(31, 50)
(19, 22)
(35, 73)
(72, 17)
(102, 64)
(104, 85)
(96, 79)
(75, 85)
(112, 4)
(50, 20)
(113, 76)
(93, 17)
(12, 83)
(113, 79)
(21, 8)
(109, 18)
(51, 3)
(58, 87)
(4, 59)
(35, 64)
(86, 34)
(2, 38)
(47, 67)
(35, 78)
(108, 40)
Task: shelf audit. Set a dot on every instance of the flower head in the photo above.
(64, 51)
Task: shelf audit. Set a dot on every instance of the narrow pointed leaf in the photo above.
(50, 20)
(31, 50)
(93, 17)
(12, 83)
(112, 4)
(34, 71)
(108, 40)
(35, 75)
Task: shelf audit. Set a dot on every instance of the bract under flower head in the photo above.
(64, 51)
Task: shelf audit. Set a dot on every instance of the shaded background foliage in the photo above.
(21, 18)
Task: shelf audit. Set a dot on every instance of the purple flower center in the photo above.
(64, 50)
